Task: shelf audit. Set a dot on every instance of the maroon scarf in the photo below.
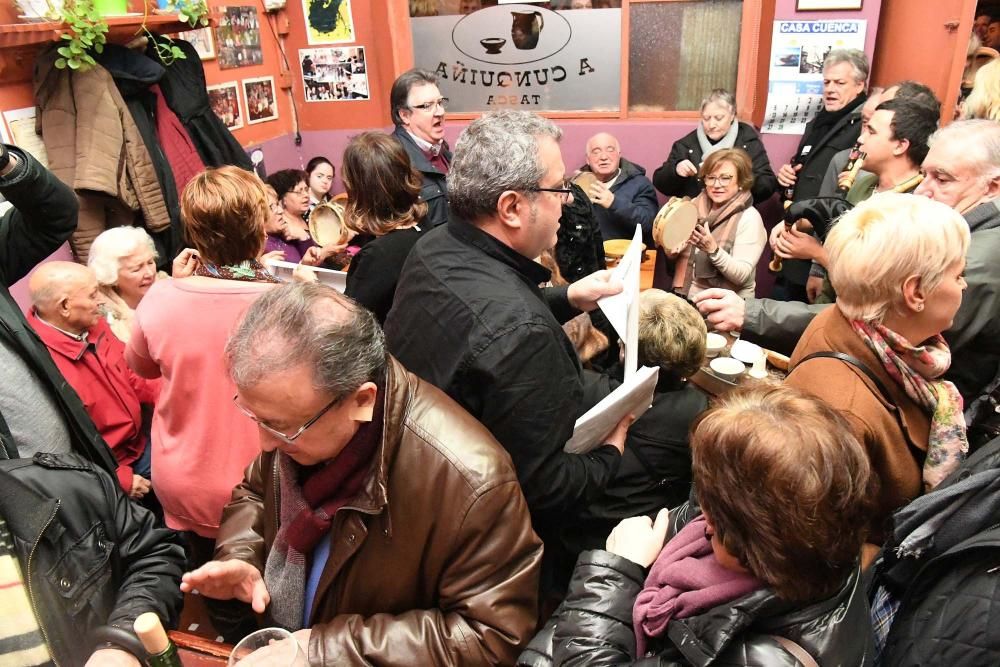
(329, 487)
(685, 581)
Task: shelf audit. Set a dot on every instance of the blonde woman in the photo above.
(897, 264)
(984, 100)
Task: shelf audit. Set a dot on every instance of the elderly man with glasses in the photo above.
(380, 523)
(469, 315)
(418, 113)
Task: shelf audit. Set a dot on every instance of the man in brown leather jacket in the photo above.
(381, 522)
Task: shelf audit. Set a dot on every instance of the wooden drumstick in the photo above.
(775, 264)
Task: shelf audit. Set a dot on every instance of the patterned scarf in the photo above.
(917, 370)
(20, 635)
(307, 508)
(685, 581)
(723, 224)
(250, 270)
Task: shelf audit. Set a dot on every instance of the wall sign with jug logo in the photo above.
(523, 56)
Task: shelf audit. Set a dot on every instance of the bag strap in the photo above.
(796, 651)
(860, 365)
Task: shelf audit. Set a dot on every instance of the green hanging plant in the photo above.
(167, 51)
(192, 12)
(87, 31)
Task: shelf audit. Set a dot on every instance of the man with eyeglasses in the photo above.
(624, 197)
(469, 315)
(418, 113)
(380, 523)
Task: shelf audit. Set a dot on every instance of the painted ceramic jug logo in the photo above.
(536, 33)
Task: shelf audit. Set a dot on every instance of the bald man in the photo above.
(623, 197)
(66, 315)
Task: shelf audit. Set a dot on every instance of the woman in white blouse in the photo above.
(725, 247)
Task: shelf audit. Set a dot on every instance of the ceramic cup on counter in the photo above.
(727, 368)
(714, 344)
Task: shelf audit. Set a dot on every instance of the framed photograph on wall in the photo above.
(334, 74)
(238, 38)
(262, 102)
(224, 99)
(202, 41)
(328, 21)
(826, 5)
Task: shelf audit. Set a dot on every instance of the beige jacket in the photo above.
(95, 147)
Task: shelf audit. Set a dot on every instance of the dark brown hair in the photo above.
(383, 188)
(738, 158)
(786, 486)
(224, 212)
(285, 180)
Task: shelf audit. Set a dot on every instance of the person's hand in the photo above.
(269, 655)
(112, 657)
(316, 255)
(225, 580)
(140, 487)
(788, 174)
(304, 274)
(814, 285)
(686, 169)
(776, 231)
(293, 233)
(702, 239)
(640, 539)
(274, 255)
(601, 195)
(723, 309)
(584, 293)
(793, 244)
(617, 436)
(185, 263)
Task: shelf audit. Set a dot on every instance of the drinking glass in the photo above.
(271, 647)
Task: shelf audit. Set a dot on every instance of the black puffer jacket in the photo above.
(949, 594)
(90, 556)
(580, 245)
(667, 181)
(594, 625)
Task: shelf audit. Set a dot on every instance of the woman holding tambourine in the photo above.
(727, 234)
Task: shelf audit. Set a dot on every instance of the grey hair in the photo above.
(110, 246)
(400, 91)
(496, 153)
(720, 96)
(855, 57)
(307, 323)
(980, 139)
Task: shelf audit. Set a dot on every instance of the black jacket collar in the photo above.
(534, 272)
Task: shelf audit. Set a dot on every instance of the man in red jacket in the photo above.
(65, 314)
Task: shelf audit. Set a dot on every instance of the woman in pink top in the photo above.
(201, 441)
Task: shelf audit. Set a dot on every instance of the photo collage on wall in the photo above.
(238, 38)
(334, 74)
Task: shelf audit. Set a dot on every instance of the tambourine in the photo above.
(326, 224)
(586, 180)
(615, 249)
(673, 225)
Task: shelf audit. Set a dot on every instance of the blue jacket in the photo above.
(635, 204)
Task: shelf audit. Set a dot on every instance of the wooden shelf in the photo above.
(120, 29)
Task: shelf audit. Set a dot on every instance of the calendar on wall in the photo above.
(795, 82)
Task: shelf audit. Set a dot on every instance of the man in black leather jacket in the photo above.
(91, 559)
(38, 409)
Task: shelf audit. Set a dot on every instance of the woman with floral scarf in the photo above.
(897, 264)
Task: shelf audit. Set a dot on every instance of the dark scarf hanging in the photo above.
(825, 120)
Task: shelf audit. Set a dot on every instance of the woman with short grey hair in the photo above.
(718, 130)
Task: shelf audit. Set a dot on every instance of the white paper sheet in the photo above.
(622, 309)
(634, 396)
(284, 270)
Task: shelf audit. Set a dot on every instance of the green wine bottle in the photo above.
(162, 651)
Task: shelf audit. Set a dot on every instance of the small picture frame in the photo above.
(202, 41)
(261, 99)
(224, 98)
(827, 5)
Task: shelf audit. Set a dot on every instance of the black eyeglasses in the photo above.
(278, 434)
(565, 191)
(429, 106)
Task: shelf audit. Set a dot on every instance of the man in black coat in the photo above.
(623, 197)
(469, 315)
(836, 127)
(78, 563)
(418, 113)
(38, 409)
